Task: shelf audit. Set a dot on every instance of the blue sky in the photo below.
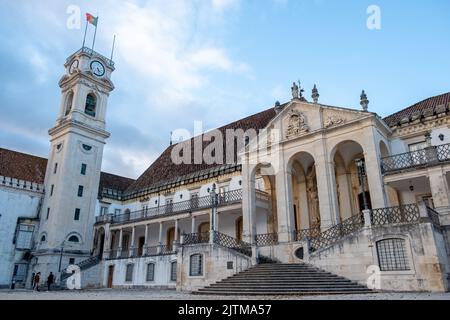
(215, 61)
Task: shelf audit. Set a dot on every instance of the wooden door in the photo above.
(110, 276)
(239, 228)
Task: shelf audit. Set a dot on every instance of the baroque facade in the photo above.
(337, 188)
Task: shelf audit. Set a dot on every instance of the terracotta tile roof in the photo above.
(114, 182)
(426, 106)
(164, 170)
(31, 168)
(22, 166)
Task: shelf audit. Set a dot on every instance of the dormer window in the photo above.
(91, 105)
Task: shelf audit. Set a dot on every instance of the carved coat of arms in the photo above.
(297, 124)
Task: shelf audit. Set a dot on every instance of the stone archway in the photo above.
(351, 194)
(304, 192)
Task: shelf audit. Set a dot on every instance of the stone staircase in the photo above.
(284, 279)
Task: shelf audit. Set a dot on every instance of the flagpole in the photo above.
(85, 32)
(95, 34)
(113, 47)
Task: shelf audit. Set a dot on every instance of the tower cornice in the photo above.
(67, 124)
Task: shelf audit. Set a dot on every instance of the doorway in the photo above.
(110, 276)
(141, 246)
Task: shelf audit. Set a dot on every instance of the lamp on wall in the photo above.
(441, 137)
(411, 187)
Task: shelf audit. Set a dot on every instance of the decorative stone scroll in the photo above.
(334, 120)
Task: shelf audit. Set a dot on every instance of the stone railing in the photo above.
(414, 159)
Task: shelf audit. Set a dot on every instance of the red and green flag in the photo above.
(91, 19)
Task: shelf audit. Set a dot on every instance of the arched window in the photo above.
(74, 239)
(392, 255)
(150, 272)
(91, 105)
(69, 102)
(43, 238)
(196, 265)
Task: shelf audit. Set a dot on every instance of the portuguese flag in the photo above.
(91, 19)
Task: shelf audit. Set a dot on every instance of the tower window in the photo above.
(91, 104)
(80, 191)
(56, 168)
(77, 215)
(52, 189)
(43, 238)
(48, 213)
(83, 169)
(69, 102)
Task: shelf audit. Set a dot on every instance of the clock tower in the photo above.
(74, 164)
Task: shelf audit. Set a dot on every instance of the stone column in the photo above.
(160, 237)
(345, 201)
(193, 225)
(119, 248)
(374, 176)
(146, 235)
(107, 243)
(133, 235)
(285, 207)
(248, 203)
(326, 187)
(217, 222)
(176, 231)
(439, 190)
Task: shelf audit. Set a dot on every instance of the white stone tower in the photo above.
(73, 170)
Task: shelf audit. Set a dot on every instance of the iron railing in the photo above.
(434, 217)
(196, 238)
(395, 215)
(420, 158)
(104, 218)
(83, 265)
(226, 241)
(337, 232)
(301, 235)
(91, 52)
(151, 251)
(267, 240)
(201, 203)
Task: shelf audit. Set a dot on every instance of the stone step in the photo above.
(280, 279)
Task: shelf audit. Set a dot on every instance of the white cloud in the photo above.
(224, 4)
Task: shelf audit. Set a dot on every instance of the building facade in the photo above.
(301, 182)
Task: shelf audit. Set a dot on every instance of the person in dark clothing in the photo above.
(50, 280)
(37, 280)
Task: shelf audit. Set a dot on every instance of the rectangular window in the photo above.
(56, 168)
(117, 212)
(77, 215)
(48, 213)
(103, 211)
(150, 272)
(80, 191)
(83, 169)
(196, 265)
(52, 189)
(129, 273)
(173, 271)
(24, 236)
(71, 261)
(392, 255)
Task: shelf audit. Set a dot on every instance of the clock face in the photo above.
(97, 68)
(73, 66)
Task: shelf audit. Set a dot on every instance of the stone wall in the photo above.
(215, 266)
(352, 256)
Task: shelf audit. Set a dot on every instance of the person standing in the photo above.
(37, 280)
(50, 280)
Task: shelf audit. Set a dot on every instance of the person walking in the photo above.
(32, 280)
(37, 280)
(50, 280)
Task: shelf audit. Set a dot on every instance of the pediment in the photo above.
(300, 118)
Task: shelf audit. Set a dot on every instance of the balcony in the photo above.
(416, 159)
(154, 251)
(195, 204)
